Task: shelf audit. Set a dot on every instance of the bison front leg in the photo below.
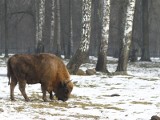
(22, 85)
(44, 93)
(51, 95)
(12, 86)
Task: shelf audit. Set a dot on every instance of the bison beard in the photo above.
(46, 69)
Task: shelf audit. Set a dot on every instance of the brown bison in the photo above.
(46, 69)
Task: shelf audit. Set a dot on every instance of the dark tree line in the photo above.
(80, 28)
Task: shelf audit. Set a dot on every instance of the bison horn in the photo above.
(68, 81)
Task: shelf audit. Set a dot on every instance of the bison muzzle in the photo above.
(46, 69)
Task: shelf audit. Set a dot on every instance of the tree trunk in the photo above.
(116, 29)
(145, 27)
(137, 32)
(40, 19)
(52, 26)
(66, 28)
(57, 39)
(126, 42)
(47, 25)
(70, 40)
(1, 29)
(102, 60)
(76, 23)
(82, 52)
(6, 27)
(96, 27)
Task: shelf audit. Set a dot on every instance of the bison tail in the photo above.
(9, 69)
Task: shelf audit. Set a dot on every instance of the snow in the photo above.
(91, 97)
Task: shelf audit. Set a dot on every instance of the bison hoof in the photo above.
(51, 98)
(27, 100)
(45, 100)
(12, 99)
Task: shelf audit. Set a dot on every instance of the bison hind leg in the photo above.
(12, 86)
(22, 85)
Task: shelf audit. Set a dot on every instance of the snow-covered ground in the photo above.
(138, 96)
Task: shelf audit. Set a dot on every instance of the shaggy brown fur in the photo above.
(46, 69)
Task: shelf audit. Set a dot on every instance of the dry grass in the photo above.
(141, 102)
(19, 108)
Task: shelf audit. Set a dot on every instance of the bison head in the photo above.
(63, 91)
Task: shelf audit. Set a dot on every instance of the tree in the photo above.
(154, 29)
(136, 32)
(52, 26)
(145, 28)
(70, 40)
(46, 34)
(1, 29)
(82, 52)
(102, 54)
(126, 41)
(40, 19)
(66, 28)
(96, 26)
(6, 27)
(115, 29)
(57, 29)
(76, 24)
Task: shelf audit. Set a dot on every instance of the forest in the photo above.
(119, 28)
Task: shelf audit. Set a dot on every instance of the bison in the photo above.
(46, 69)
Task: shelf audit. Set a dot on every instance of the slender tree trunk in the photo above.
(126, 42)
(40, 19)
(102, 60)
(145, 27)
(6, 27)
(52, 26)
(58, 29)
(69, 44)
(136, 32)
(1, 29)
(116, 11)
(36, 22)
(76, 23)
(70, 47)
(96, 26)
(66, 27)
(82, 52)
(46, 34)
